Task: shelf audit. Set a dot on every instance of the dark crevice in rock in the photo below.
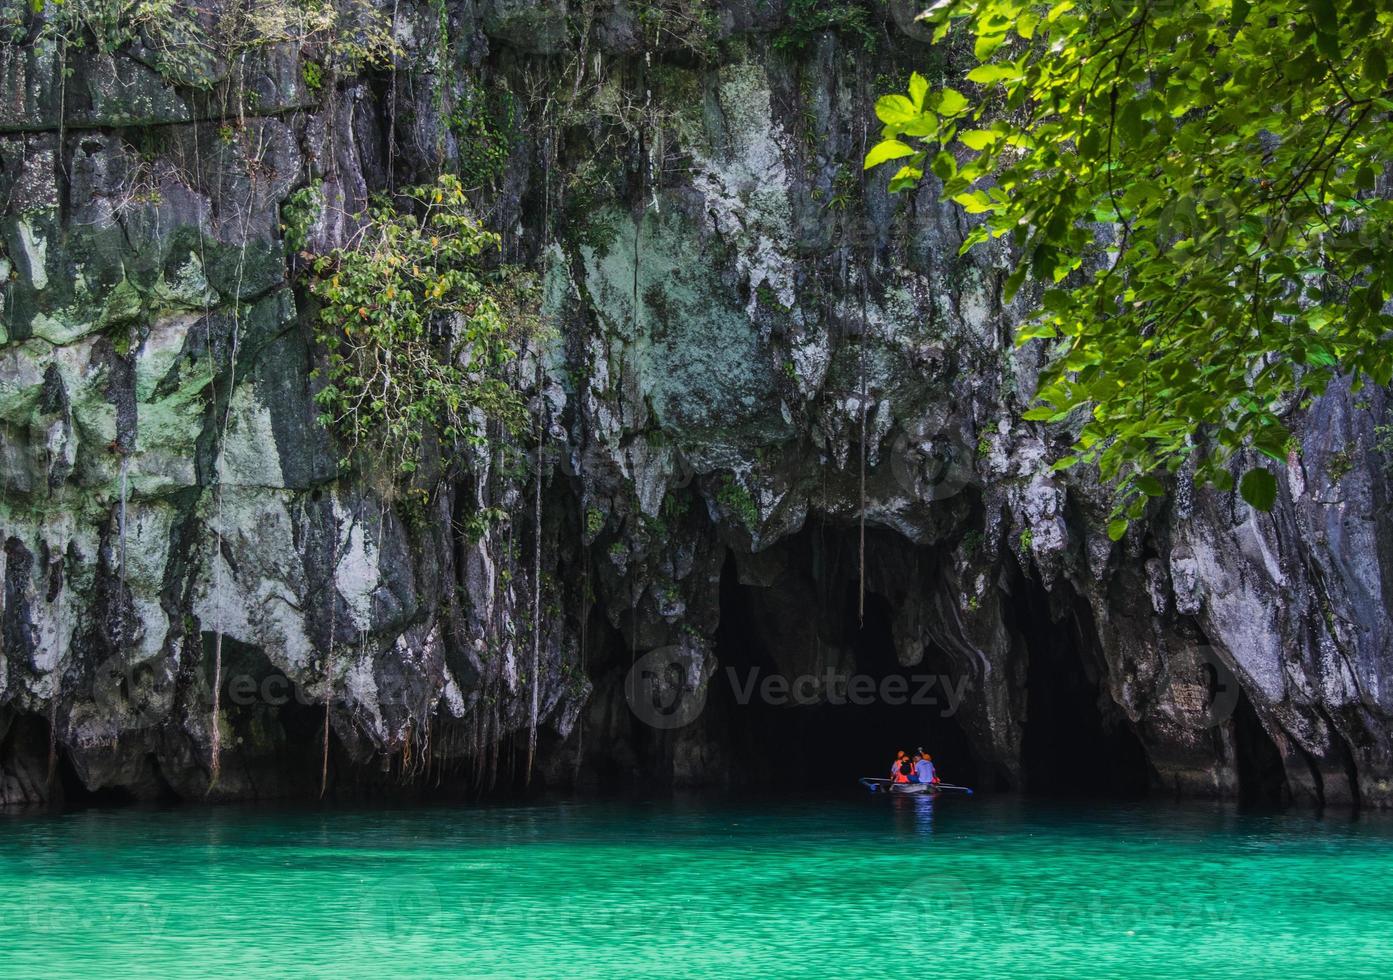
(144, 783)
(1075, 740)
(24, 740)
(1262, 776)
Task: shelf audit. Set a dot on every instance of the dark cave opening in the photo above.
(277, 733)
(29, 778)
(1262, 778)
(789, 722)
(24, 740)
(1071, 745)
(148, 787)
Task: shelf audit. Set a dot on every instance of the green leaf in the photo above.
(895, 110)
(905, 179)
(923, 125)
(1326, 18)
(1035, 331)
(1090, 142)
(944, 166)
(978, 139)
(1233, 152)
(1259, 488)
(1117, 529)
(1013, 283)
(887, 150)
(990, 74)
(951, 102)
(918, 88)
(1375, 66)
(1150, 486)
(986, 44)
(974, 202)
(1129, 122)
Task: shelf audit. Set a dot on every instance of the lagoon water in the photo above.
(957, 887)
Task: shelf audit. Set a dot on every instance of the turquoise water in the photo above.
(976, 887)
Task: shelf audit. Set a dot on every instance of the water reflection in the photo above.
(914, 814)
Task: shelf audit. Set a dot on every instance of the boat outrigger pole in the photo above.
(877, 783)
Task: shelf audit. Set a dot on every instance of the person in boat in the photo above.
(899, 768)
(913, 772)
(924, 768)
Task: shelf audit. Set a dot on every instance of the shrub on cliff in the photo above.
(414, 327)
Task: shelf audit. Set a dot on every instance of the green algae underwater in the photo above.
(953, 887)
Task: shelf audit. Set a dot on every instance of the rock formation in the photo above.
(753, 349)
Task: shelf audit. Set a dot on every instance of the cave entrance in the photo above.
(808, 696)
(1262, 778)
(1072, 745)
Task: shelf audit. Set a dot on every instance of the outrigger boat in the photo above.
(881, 785)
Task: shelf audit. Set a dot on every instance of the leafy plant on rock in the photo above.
(414, 329)
(809, 18)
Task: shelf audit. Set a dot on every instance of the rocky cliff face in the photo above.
(751, 351)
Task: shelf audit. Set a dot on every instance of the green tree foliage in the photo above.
(417, 331)
(807, 19)
(185, 40)
(1197, 185)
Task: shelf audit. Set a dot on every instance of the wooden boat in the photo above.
(881, 785)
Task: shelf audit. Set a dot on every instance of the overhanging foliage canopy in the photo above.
(1198, 184)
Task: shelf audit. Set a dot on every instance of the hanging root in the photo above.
(215, 766)
(536, 679)
(52, 742)
(329, 657)
(324, 763)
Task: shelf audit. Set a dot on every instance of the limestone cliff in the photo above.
(752, 347)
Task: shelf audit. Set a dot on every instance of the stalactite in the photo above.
(584, 635)
(493, 744)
